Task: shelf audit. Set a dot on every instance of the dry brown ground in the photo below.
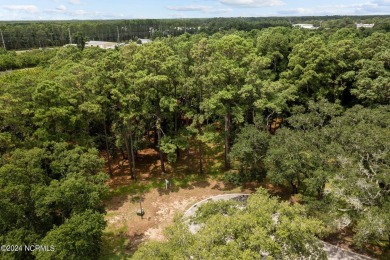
(160, 207)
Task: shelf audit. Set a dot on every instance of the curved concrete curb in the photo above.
(338, 253)
(333, 252)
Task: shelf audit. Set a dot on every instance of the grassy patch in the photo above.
(111, 214)
(185, 181)
(131, 189)
(177, 182)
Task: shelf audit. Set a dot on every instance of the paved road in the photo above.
(333, 252)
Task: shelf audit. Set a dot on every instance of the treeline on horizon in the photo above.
(23, 35)
(329, 91)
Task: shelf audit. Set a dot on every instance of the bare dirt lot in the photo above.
(125, 229)
(160, 206)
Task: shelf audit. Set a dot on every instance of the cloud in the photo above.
(190, 8)
(61, 8)
(251, 3)
(58, 10)
(372, 7)
(199, 8)
(382, 2)
(80, 12)
(74, 2)
(303, 12)
(71, 13)
(23, 8)
(220, 11)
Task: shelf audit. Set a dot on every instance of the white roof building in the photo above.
(365, 25)
(143, 41)
(70, 44)
(305, 26)
(101, 44)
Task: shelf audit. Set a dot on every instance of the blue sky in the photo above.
(132, 9)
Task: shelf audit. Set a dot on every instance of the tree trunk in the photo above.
(158, 129)
(123, 154)
(155, 138)
(132, 150)
(177, 152)
(228, 119)
(136, 151)
(107, 150)
(175, 113)
(128, 155)
(294, 188)
(189, 144)
(200, 158)
(188, 158)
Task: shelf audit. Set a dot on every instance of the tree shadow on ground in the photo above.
(189, 185)
(122, 186)
(176, 184)
(201, 184)
(224, 186)
(251, 186)
(118, 197)
(275, 190)
(163, 191)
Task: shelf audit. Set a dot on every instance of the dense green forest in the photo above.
(306, 109)
(16, 35)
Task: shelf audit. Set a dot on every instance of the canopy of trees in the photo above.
(308, 110)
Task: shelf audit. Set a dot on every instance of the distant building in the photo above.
(365, 25)
(143, 41)
(305, 26)
(101, 44)
(70, 44)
